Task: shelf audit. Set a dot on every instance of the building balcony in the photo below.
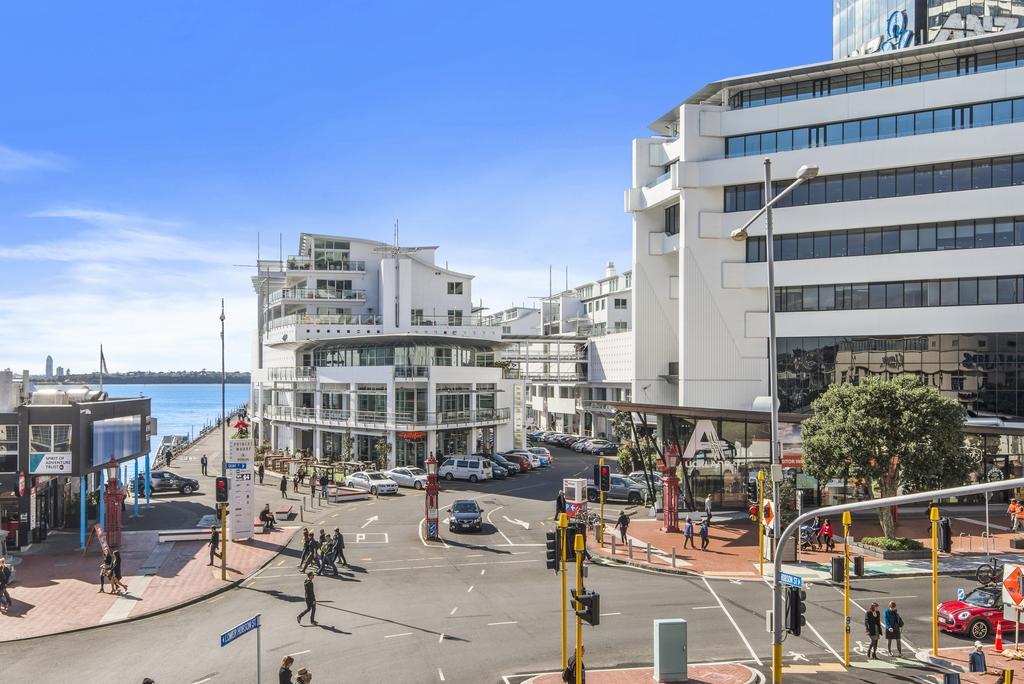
(304, 263)
(288, 374)
(297, 328)
(346, 418)
(412, 372)
(291, 294)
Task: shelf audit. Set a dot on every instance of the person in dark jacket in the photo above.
(314, 551)
(704, 534)
(284, 675)
(106, 568)
(204, 462)
(569, 674)
(688, 534)
(310, 599)
(339, 547)
(623, 524)
(260, 471)
(214, 543)
(323, 485)
(559, 504)
(284, 487)
(116, 584)
(305, 546)
(893, 624)
(873, 627)
(5, 579)
(976, 660)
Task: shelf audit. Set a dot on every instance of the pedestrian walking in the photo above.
(976, 661)
(106, 567)
(825, 533)
(1011, 511)
(559, 504)
(688, 534)
(327, 556)
(295, 482)
(305, 546)
(623, 524)
(314, 549)
(310, 601)
(707, 508)
(284, 487)
(873, 627)
(569, 673)
(204, 462)
(259, 472)
(214, 543)
(284, 675)
(116, 585)
(704, 534)
(323, 485)
(5, 579)
(312, 486)
(893, 627)
(339, 547)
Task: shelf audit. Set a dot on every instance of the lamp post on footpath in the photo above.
(933, 516)
(670, 487)
(430, 501)
(760, 522)
(563, 526)
(804, 173)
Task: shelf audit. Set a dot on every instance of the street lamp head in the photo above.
(807, 172)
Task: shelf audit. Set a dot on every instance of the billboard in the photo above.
(116, 439)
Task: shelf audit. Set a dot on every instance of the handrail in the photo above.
(355, 418)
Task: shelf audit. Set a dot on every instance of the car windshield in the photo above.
(416, 471)
(377, 476)
(982, 598)
(464, 507)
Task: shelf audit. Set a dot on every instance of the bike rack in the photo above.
(961, 539)
(987, 542)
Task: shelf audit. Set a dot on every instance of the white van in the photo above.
(465, 468)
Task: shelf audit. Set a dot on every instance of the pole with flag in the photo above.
(103, 367)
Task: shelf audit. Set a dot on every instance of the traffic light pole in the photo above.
(760, 521)
(224, 542)
(600, 524)
(871, 504)
(846, 588)
(578, 547)
(563, 525)
(933, 515)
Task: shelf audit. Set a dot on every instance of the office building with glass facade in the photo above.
(902, 257)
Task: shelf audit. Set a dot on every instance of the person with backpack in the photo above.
(106, 568)
(569, 673)
(623, 524)
(893, 628)
(688, 534)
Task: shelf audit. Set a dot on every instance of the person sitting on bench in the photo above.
(267, 518)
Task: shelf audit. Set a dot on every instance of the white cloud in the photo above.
(13, 161)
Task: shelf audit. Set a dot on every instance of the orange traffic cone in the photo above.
(999, 637)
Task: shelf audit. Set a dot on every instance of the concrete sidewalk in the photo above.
(718, 673)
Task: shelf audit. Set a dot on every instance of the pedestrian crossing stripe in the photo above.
(813, 668)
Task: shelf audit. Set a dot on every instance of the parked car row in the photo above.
(589, 445)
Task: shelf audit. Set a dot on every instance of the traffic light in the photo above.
(795, 608)
(588, 607)
(572, 531)
(752, 491)
(552, 550)
(606, 478)
(222, 489)
(945, 536)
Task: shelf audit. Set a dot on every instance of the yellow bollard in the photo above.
(934, 517)
(760, 522)
(846, 587)
(579, 621)
(563, 524)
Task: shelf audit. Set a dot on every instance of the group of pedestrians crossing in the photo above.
(887, 623)
(284, 675)
(323, 551)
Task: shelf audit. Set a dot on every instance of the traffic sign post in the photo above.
(249, 625)
(1013, 596)
(791, 580)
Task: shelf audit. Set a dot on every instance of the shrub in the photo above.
(897, 544)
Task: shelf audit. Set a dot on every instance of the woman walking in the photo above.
(893, 627)
(826, 536)
(873, 627)
(116, 584)
(106, 568)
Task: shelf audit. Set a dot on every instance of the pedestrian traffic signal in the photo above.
(752, 492)
(552, 550)
(588, 607)
(795, 608)
(945, 536)
(222, 489)
(605, 478)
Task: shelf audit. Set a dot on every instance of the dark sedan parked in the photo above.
(509, 466)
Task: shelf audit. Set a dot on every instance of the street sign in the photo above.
(238, 466)
(768, 513)
(235, 632)
(791, 580)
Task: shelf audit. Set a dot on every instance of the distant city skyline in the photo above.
(196, 130)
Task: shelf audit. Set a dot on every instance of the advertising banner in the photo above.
(58, 463)
(241, 504)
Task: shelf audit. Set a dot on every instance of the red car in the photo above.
(523, 462)
(977, 615)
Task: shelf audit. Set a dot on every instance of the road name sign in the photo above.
(235, 632)
(233, 466)
(791, 580)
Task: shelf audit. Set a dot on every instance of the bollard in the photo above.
(629, 546)
(648, 552)
(613, 545)
(673, 557)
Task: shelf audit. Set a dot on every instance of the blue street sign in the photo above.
(791, 580)
(959, 594)
(236, 466)
(235, 632)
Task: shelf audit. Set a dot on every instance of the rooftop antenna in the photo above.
(280, 247)
(567, 276)
(257, 246)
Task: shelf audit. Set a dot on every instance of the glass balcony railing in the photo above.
(304, 263)
(349, 418)
(288, 374)
(412, 371)
(326, 319)
(299, 293)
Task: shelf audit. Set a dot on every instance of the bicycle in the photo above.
(989, 572)
(592, 520)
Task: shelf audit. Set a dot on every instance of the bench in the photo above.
(183, 535)
(257, 527)
(284, 512)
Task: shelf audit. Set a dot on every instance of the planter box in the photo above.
(890, 555)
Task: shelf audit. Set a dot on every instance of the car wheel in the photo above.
(634, 498)
(591, 496)
(373, 490)
(186, 490)
(473, 478)
(449, 477)
(417, 485)
(978, 630)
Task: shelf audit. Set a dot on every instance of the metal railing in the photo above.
(325, 319)
(305, 263)
(350, 418)
(412, 371)
(444, 320)
(291, 374)
(660, 179)
(317, 293)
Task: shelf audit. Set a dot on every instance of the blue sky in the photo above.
(144, 145)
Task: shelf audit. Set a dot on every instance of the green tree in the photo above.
(383, 447)
(893, 434)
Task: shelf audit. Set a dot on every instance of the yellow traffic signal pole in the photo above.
(563, 524)
(600, 491)
(846, 588)
(934, 517)
(578, 545)
(760, 521)
(224, 542)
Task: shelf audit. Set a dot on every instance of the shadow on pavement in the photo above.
(448, 637)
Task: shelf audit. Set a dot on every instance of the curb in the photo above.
(755, 676)
(160, 611)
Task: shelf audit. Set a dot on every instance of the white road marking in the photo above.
(440, 638)
(735, 626)
(392, 636)
(827, 645)
(704, 607)
(483, 571)
(489, 514)
(609, 614)
(798, 657)
(413, 567)
(510, 622)
(370, 520)
(292, 655)
(475, 555)
(280, 562)
(516, 521)
(453, 611)
(200, 681)
(440, 674)
(470, 588)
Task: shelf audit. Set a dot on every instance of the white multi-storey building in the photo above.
(904, 256)
(359, 339)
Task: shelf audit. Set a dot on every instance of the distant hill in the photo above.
(203, 377)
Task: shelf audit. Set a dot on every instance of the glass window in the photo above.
(838, 243)
(851, 132)
(855, 242)
(869, 185)
(922, 122)
(926, 237)
(908, 239)
(887, 182)
(1003, 232)
(834, 134)
(981, 175)
(821, 245)
(851, 187)
(930, 293)
(768, 142)
(810, 298)
(799, 195)
(904, 125)
(968, 291)
(922, 180)
(1002, 112)
(816, 190)
(1018, 170)
(1002, 172)
(912, 294)
(752, 250)
(788, 252)
(826, 298)
(986, 290)
(805, 247)
(734, 147)
(1018, 110)
(794, 299)
(943, 120)
(860, 295)
(886, 127)
(949, 291)
(890, 241)
(962, 176)
(753, 196)
(869, 129)
(1006, 290)
(752, 144)
(945, 236)
(964, 234)
(1018, 225)
(730, 199)
(983, 233)
(893, 295)
(982, 114)
(942, 177)
(844, 297)
(877, 295)
(784, 141)
(834, 188)
(873, 241)
(904, 182)
(788, 92)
